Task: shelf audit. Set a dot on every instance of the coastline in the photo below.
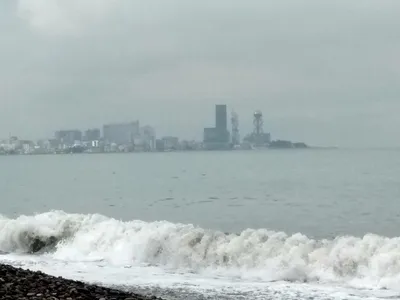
(174, 151)
(17, 283)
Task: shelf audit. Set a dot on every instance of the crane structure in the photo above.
(235, 128)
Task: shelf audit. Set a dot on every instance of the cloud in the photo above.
(315, 69)
(64, 17)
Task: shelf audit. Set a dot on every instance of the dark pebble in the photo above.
(17, 283)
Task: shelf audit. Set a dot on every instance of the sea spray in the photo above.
(261, 253)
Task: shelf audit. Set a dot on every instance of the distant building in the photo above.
(171, 143)
(52, 144)
(13, 139)
(26, 146)
(218, 137)
(92, 135)
(189, 145)
(167, 143)
(221, 118)
(148, 137)
(47, 146)
(210, 135)
(68, 137)
(121, 133)
(258, 139)
(160, 145)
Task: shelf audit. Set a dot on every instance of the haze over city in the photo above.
(202, 150)
(323, 73)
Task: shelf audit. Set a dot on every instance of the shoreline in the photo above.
(18, 283)
(175, 151)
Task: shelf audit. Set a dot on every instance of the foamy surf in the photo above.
(179, 286)
(96, 245)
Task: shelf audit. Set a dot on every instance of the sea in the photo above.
(263, 224)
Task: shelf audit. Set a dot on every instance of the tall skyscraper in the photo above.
(218, 137)
(221, 119)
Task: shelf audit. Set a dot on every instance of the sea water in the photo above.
(276, 224)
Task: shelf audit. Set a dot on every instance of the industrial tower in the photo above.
(235, 128)
(258, 123)
(258, 138)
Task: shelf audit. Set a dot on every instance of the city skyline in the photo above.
(82, 63)
(221, 118)
(127, 137)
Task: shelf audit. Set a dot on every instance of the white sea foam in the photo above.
(370, 261)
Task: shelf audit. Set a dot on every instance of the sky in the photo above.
(326, 73)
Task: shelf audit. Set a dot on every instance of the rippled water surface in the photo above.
(308, 224)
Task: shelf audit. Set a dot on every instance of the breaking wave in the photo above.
(266, 254)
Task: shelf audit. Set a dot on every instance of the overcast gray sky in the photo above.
(327, 73)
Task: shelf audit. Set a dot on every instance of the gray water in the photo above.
(321, 193)
(124, 220)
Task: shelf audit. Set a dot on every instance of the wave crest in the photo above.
(263, 253)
